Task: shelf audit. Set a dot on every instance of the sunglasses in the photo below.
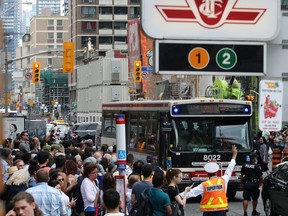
(59, 180)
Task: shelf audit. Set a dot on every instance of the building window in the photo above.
(105, 40)
(120, 10)
(49, 61)
(50, 46)
(59, 22)
(50, 35)
(50, 22)
(59, 35)
(84, 41)
(105, 25)
(105, 10)
(284, 4)
(120, 40)
(120, 25)
(88, 11)
(134, 12)
(88, 26)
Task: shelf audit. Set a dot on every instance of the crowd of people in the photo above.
(69, 179)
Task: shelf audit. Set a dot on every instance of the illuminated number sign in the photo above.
(208, 58)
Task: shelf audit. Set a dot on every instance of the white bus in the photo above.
(184, 134)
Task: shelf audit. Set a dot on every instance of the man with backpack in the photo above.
(138, 187)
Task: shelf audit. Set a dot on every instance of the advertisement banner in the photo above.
(13, 126)
(270, 105)
(133, 39)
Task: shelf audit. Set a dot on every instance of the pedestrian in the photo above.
(6, 160)
(48, 199)
(129, 164)
(89, 190)
(24, 204)
(111, 202)
(131, 181)
(159, 199)
(174, 178)
(251, 178)
(138, 187)
(24, 142)
(214, 200)
(263, 152)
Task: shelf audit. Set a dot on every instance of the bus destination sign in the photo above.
(211, 109)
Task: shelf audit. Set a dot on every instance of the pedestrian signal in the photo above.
(36, 72)
(137, 71)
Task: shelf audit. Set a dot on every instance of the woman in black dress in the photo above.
(174, 177)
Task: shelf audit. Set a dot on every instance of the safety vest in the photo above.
(214, 197)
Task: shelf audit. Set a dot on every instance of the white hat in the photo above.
(211, 167)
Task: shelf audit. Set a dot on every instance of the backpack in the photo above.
(143, 207)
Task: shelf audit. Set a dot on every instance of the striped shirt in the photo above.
(48, 199)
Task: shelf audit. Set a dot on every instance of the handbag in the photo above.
(270, 152)
(96, 210)
(175, 209)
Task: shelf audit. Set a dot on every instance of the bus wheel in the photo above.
(231, 195)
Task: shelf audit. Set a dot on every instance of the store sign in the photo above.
(211, 19)
(270, 105)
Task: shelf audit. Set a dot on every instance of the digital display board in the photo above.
(211, 109)
(210, 58)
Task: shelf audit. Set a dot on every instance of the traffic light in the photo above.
(68, 57)
(250, 97)
(137, 71)
(36, 72)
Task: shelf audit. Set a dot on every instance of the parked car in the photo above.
(275, 191)
(89, 131)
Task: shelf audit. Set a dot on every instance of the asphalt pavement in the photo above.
(235, 207)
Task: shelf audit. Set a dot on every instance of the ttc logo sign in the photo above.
(211, 13)
(252, 20)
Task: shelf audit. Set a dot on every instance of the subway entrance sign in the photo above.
(210, 58)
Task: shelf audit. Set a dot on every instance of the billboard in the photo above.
(256, 20)
(270, 105)
(13, 126)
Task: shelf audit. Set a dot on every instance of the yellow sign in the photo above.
(198, 58)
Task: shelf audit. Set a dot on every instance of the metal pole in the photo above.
(6, 81)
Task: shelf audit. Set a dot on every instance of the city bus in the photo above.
(184, 134)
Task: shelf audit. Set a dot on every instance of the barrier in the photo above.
(276, 157)
(285, 154)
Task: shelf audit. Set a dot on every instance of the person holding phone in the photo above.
(174, 178)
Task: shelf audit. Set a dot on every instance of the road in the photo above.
(235, 207)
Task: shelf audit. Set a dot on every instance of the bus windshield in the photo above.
(206, 135)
